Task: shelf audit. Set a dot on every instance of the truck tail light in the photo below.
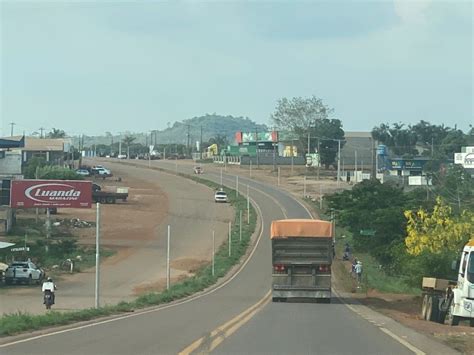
(324, 268)
(279, 268)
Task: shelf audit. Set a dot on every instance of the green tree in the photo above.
(221, 141)
(57, 133)
(453, 142)
(328, 133)
(310, 117)
(127, 140)
(456, 186)
(32, 167)
(371, 205)
(401, 141)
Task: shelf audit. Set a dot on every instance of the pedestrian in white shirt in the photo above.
(50, 286)
(358, 271)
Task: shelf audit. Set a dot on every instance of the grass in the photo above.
(21, 322)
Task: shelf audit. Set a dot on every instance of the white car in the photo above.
(220, 196)
(23, 271)
(83, 172)
(101, 171)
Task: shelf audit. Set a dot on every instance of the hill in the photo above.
(212, 125)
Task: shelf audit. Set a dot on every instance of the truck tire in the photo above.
(432, 310)
(452, 319)
(424, 307)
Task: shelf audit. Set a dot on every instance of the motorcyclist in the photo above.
(50, 286)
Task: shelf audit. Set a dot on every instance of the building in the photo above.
(466, 159)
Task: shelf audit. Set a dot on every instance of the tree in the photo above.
(330, 131)
(310, 117)
(439, 230)
(456, 186)
(402, 141)
(127, 140)
(56, 133)
(453, 142)
(373, 206)
(32, 167)
(221, 141)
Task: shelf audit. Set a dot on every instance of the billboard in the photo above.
(51, 193)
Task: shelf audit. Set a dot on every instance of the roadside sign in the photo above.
(51, 193)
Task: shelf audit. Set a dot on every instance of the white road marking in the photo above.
(156, 309)
(402, 341)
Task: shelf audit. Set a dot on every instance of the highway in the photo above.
(237, 317)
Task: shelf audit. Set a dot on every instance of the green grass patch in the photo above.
(20, 322)
(375, 278)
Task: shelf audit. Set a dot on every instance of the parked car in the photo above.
(122, 156)
(220, 196)
(24, 271)
(198, 170)
(101, 171)
(83, 172)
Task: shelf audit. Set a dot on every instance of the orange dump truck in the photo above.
(302, 252)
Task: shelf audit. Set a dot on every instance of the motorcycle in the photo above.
(48, 299)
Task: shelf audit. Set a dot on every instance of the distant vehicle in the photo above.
(220, 196)
(83, 172)
(122, 156)
(101, 171)
(109, 195)
(198, 170)
(24, 271)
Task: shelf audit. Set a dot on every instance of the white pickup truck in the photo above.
(24, 271)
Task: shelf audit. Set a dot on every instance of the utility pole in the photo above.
(338, 161)
(355, 166)
(319, 155)
(256, 146)
(12, 124)
(309, 139)
(200, 145)
(187, 141)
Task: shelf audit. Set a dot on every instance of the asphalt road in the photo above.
(191, 214)
(237, 318)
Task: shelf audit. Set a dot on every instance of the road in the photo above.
(162, 199)
(238, 317)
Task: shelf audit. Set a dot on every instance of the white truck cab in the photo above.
(462, 305)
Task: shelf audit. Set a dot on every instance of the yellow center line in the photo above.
(229, 327)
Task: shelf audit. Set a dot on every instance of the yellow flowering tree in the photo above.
(438, 231)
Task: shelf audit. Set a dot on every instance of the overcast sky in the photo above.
(95, 66)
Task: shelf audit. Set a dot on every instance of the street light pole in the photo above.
(338, 161)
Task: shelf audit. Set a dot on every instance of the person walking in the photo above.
(358, 271)
(49, 286)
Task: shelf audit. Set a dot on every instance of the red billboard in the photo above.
(51, 193)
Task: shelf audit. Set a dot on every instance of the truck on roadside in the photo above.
(302, 253)
(109, 195)
(451, 300)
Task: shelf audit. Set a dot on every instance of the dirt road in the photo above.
(137, 229)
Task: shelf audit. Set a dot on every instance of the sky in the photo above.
(90, 67)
